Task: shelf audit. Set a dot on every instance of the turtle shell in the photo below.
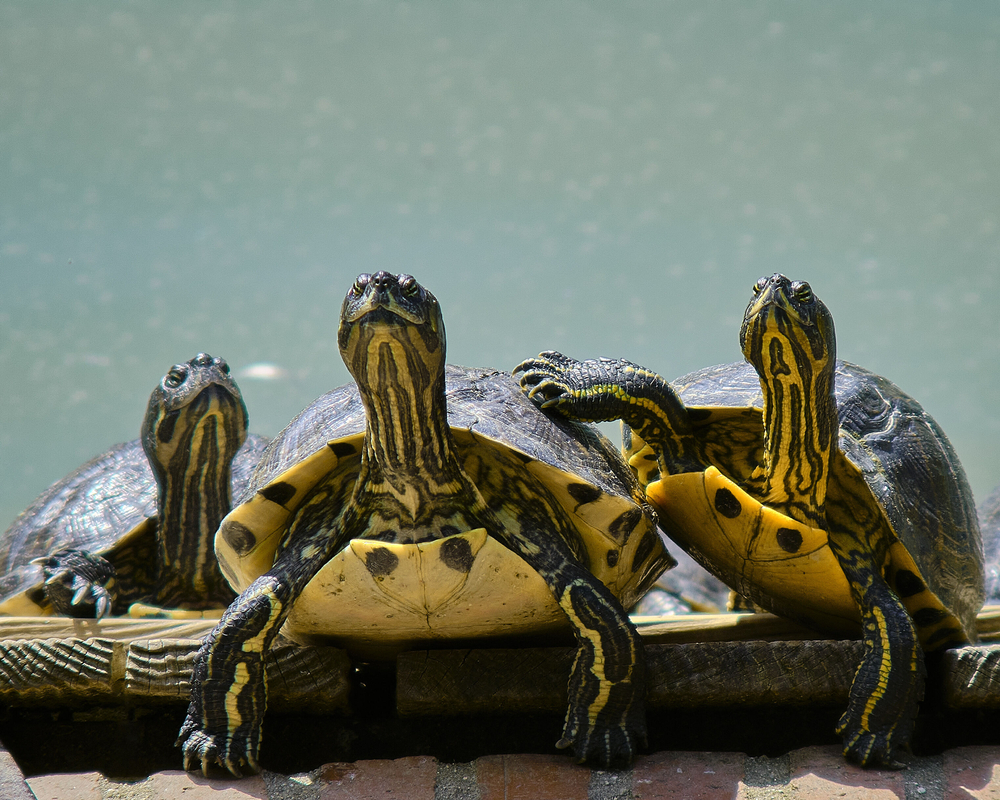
(376, 598)
(890, 443)
(101, 504)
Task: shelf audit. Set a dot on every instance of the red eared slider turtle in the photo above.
(432, 498)
(137, 523)
(814, 488)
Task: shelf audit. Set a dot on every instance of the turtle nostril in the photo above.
(383, 280)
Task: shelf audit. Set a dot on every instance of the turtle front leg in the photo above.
(889, 683)
(228, 690)
(606, 717)
(602, 390)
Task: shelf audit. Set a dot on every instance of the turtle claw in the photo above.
(871, 750)
(78, 583)
(603, 746)
(540, 378)
(207, 752)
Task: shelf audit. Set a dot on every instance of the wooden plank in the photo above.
(117, 628)
(734, 627)
(753, 673)
(716, 674)
(74, 672)
(43, 670)
(973, 677)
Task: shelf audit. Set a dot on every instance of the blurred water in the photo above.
(606, 179)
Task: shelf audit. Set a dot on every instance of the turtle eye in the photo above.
(360, 283)
(408, 285)
(758, 287)
(802, 292)
(175, 377)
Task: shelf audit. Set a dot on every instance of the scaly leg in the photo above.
(228, 690)
(600, 390)
(889, 683)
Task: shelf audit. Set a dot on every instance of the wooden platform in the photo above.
(697, 660)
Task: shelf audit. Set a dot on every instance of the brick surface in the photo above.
(687, 776)
(69, 786)
(531, 777)
(822, 773)
(180, 785)
(407, 778)
(972, 772)
(12, 784)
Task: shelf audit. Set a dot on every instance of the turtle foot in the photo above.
(208, 751)
(869, 750)
(543, 378)
(604, 746)
(78, 583)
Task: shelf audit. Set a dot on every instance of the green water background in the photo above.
(605, 179)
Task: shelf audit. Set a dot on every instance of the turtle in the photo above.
(429, 502)
(813, 487)
(134, 526)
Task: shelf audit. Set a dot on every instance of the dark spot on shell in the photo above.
(279, 492)
(457, 554)
(908, 584)
(584, 493)
(381, 561)
(727, 504)
(342, 449)
(36, 595)
(699, 414)
(238, 537)
(642, 552)
(926, 617)
(613, 556)
(789, 539)
(624, 524)
(943, 636)
(651, 457)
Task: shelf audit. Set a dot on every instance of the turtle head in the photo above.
(391, 318)
(786, 326)
(196, 411)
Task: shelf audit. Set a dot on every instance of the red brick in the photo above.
(687, 776)
(823, 772)
(67, 786)
(180, 785)
(972, 772)
(531, 777)
(409, 778)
